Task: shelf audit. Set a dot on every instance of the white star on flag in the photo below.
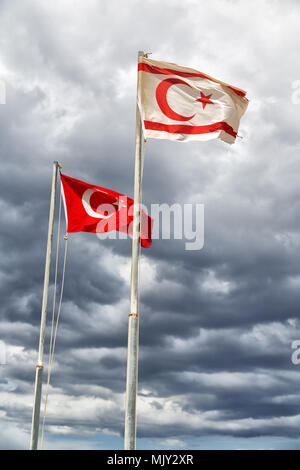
(183, 104)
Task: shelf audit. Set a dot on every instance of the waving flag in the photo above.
(91, 208)
(180, 103)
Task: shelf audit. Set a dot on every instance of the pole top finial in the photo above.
(58, 164)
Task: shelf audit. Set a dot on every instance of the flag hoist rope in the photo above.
(54, 332)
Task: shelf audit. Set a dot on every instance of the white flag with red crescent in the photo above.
(183, 104)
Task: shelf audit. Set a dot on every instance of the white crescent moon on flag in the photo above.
(87, 206)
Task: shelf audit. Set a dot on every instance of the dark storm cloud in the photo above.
(216, 324)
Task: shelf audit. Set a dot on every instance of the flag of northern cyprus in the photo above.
(183, 104)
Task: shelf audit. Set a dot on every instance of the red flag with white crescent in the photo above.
(183, 104)
(94, 209)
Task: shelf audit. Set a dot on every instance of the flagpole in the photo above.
(133, 319)
(39, 367)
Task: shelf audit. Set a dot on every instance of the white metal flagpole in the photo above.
(133, 319)
(39, 367)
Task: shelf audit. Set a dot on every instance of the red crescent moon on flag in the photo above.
(161, 98)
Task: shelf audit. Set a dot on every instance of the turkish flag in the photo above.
(183, 104)
(94, 209)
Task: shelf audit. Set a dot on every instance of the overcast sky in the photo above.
(216, 325)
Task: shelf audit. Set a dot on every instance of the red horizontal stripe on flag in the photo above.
(159, 70)
(185, 129)
(154, 69)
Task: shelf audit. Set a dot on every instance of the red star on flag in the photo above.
(205, 99)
